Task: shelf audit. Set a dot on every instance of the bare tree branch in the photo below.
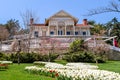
(26, 16)
(112, 7)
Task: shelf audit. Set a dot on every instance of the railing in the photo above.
(115, 48)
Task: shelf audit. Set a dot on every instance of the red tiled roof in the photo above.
(38, 24)
(82, 25)
(79, 25)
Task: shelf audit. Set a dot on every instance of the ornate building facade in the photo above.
(60, 24)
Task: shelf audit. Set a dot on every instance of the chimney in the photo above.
(31, 20)
(85, 22)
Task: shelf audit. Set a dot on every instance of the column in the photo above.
(48, 30)
(65, 29)
(73, 30)
(57, 28)
(88, 32)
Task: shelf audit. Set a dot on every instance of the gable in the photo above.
(62, 14)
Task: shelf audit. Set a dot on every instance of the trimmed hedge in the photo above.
(83, 57)
(28, 57)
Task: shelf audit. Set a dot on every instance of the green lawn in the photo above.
(110, 65)
(16, 72)
(61, 62)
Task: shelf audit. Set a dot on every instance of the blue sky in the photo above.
(11, 9)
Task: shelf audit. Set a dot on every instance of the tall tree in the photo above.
(116, 32)
(110, 25)
(98, 29)
(3, 34)
(26, 16)
(113, 29)
(91, 22)
(12, 26)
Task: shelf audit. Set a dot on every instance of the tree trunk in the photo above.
(0, 45)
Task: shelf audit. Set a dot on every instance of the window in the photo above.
(76, 33)
(36, 34)
(51, 32)
(68, 32)
(60, 32)
(84, 33)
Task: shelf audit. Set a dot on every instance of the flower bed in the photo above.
(40, 63)
(74, 71)
(41, 71)
(3, 66)
(5, 62)
(70, 66)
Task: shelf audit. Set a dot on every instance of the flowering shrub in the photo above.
(74, 71)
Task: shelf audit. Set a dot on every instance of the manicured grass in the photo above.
(16, 72)
(61, 62)
(110, 66)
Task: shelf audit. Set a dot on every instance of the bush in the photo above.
(101, 59)
(79, 57)
(27, 57)
(2, 56)
(83, 57)
(53, 56)
(77, 45)
(12, 57)
(50, 57)
(40, 63)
